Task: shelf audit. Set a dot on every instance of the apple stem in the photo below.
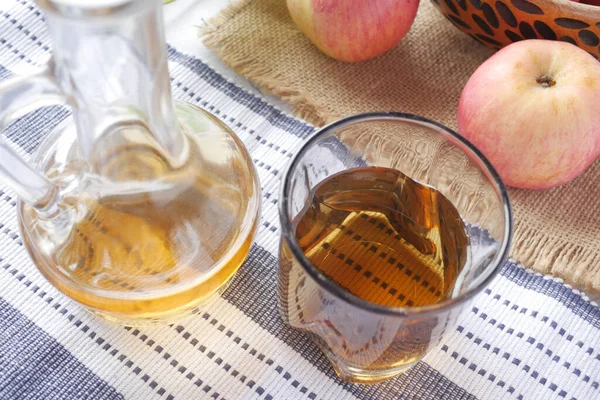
(546, 81)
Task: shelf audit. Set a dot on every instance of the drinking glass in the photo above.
(368, 342)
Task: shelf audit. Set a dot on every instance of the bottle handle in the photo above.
(20, 96)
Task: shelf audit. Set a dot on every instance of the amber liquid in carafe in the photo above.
(153, 251)
(383, 237)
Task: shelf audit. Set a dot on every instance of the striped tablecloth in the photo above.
(525, 337)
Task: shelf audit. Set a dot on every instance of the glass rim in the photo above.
(327, 284)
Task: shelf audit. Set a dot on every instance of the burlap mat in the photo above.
(557, 231)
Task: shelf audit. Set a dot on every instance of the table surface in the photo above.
(526, 336)
(182, 18)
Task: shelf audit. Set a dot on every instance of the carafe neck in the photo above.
(110, 59)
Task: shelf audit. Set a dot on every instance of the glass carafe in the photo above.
(138, 207)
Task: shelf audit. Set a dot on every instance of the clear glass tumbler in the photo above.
(365, 341)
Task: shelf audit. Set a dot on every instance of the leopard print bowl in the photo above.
(497, 23)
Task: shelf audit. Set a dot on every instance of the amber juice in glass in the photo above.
(384, 237)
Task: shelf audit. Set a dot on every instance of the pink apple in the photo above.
(353, 30)
(532, 109)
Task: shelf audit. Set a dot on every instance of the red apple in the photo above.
(532, 109)
(353, 30)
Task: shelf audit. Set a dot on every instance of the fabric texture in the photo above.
(527, 336)
(557, 231)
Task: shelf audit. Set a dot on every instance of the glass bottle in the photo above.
(137, 206)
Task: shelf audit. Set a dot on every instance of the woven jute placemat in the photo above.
(557, 231)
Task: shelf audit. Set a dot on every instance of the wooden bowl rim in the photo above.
(581, 9)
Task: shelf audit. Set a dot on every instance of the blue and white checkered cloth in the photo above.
(527, 336)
